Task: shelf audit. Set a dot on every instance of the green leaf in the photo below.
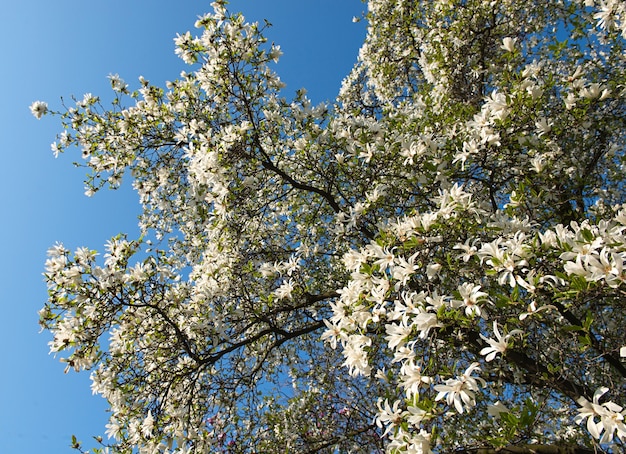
(572, 328)
(587, 235)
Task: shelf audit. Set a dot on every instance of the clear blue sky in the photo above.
(59, 48)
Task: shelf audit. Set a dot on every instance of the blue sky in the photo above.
(61, 48)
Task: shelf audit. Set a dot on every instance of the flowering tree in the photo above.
(434, 262)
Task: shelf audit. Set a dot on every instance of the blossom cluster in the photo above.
(380, 304)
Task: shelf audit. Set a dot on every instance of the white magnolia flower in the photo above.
(114, 429)
(544, 126)
(606, 16)
(117, 83)
(356, 357)
(497, 408)
(570, 101)
(610, 414)
(284, 291)
(398, 334)
(468, 250)
(594, 91)
(470, 297)
(332, 334)
(388, 415)
(39, 109)
(532, 309)
(497, 346)
(412, 379)
(508, 44)
(419, 443)
(275, 53)
(538, 163)
(432, 270)
(148, 425)
(460, 391)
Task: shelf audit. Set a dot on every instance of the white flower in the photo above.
(419, 443)
(417, 415)
(356, 356)
(390, 416)
(148, 425)
(432, 270)
(460, 391)
(384, 256)
(402, 268)
(538, 163)
(139, 272)
(397, 334)
(332, 334)
(88, 99)
(577, 268)
(508, 44)
(468, 251)
(570, 101)
(114, 430)
(284, 291)
(39, 109)
(610, 414)
(533, 309)
(544, 126)
(275, 53)
(534, 91)
(412, 379)
(470, 296)
(606, 16)
(117, 83)
(184, 47)
(497, 408)
(56, 149)
(593, 92)
(424, 322)
(497, 346)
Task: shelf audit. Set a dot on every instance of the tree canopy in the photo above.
(432, 262)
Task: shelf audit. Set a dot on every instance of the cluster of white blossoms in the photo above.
(443, 244)
(380, 300)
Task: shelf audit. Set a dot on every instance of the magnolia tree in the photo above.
(433, 262)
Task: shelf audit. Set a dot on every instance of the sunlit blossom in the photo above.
(499, 345)
(508, 44)
(460, 392)
(39, 109)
